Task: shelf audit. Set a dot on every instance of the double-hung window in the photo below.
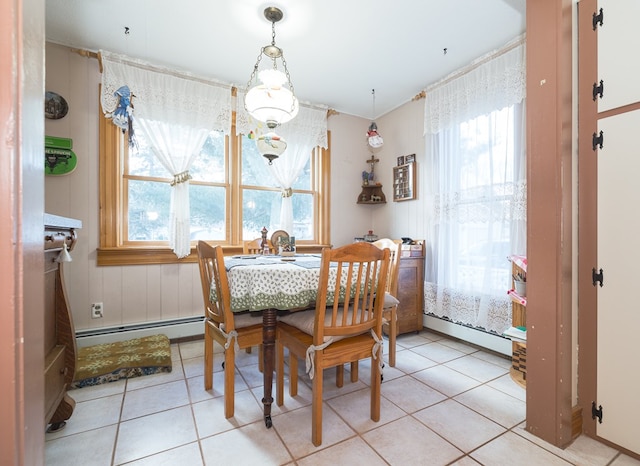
(232, 197)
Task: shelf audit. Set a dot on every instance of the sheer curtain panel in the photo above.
(475, 135)
(175, 112)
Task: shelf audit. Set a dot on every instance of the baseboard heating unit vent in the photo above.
(175, 328)
(491, 341)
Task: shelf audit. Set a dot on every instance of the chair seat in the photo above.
(304, 321)
(390, 300)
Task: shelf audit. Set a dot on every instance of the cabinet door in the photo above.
(618, 45)
(618, 317)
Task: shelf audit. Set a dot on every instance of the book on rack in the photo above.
(517, 333)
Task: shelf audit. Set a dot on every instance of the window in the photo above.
(231, 196)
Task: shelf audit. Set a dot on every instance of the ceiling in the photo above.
(337, 51)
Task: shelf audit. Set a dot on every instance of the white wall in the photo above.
(141, 293)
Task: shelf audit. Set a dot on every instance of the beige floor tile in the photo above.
(294, 428)
(466, 461)
(252, 375)
(494, 358)
(497, 406)
(458, 424)
(355, 408)
(408, 362)
(194, 367)
(98, 391)
(437, 352)
(446, 380)
(155, 433)
(507, 385)
(459, 346)
(154, 399)
(476, 368)
(74, 450)
(91, 414)
(624, 460)
(250, 445)
(510, 449)
(410, 394)
(197, 392)
(352, 451)
(186, 455)
(409, 340)
(191, 349)
(407, 441)
(210, 418)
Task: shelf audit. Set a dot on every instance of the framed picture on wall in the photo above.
(400, 160)
(404, 182)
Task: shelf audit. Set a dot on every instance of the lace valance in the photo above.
(177, 98)
(494, 84)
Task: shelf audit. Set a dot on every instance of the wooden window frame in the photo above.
(114, 249)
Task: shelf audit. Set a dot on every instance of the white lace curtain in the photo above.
(175, 112)
(305, 132)
(475, 135)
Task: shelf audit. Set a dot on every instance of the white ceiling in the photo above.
(337, 51)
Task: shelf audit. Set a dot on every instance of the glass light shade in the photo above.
(270, 145)
(270, 101)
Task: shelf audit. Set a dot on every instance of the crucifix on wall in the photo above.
(372, 161)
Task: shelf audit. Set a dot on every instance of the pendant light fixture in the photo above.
(270, 101)
(374, 140)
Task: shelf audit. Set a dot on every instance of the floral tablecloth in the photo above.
(264, 282)
(269, 282)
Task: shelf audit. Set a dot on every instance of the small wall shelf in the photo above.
(372, 194)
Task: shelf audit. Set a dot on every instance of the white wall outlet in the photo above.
(97, 310)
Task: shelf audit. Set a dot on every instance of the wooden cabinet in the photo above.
(411, 288)
(59, 332)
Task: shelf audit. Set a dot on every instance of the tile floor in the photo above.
(445, 403)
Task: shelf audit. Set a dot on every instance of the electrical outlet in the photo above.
(97, 310)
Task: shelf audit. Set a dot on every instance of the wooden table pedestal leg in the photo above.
(268, 344)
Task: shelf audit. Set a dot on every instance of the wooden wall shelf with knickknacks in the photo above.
(404, 179)
(372, 194)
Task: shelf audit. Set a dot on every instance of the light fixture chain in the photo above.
(255, 70)
(286, 72)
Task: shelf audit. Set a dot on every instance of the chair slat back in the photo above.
(394, 246)
(254, 246)
(213, 276)
(346, 304)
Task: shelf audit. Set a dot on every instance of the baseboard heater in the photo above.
(478, 337)
(174, 328)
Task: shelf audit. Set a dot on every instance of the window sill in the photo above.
(155, 255)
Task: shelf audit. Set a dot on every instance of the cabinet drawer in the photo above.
(54, 386)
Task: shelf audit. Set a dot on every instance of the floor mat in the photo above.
(109, 362)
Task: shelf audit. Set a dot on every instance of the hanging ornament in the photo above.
(122, 116)
(374, 140)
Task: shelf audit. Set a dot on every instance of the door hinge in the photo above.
(597, 277)
(598, 140)
(596, 413)
(598, 19)
(598, 90)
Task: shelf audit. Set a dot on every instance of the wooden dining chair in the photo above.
(340, 330)
(254, 246)
(390, 310)
(231, 331)
(391, 303)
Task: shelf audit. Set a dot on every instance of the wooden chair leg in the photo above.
(375, 387)
(293, 375)
(316, 406)
(229, 382)
(340, 375)
(208, 358)
(354, 371)
(393, 332)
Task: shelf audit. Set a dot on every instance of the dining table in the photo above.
(269, 284)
